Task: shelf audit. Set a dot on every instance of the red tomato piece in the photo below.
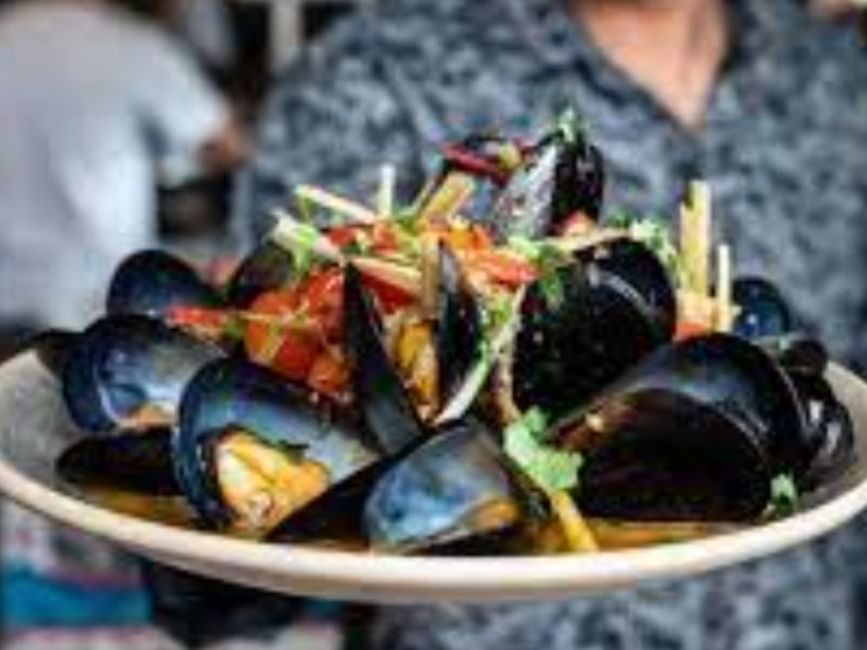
(289, 351)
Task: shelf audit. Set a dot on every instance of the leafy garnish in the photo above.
(570, 126)
(551, 469)
(653, 233)
(302, 250)
(548, 259)
(784, 496)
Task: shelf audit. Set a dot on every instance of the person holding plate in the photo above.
(762, 98)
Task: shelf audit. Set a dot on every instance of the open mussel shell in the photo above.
(52, 348)
(268, 267)
(617, 306)
(126, 367)
(132, 461)
(453, 487)
(763, 311)
(799, 354)
(830, 432)
(379, 392)
(562, 176)
(231, 396)
(697, 431)
(458, 330)
(153, 282)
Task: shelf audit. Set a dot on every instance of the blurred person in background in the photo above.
(760, 97)
(91, 101)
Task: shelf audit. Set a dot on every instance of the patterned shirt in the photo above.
(784, 145)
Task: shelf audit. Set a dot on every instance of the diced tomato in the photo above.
(502, 267)
(329, 374)
(391, 297)
(322, 295)
(289, 351)
(343, 236)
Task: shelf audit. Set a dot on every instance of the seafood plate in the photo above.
(493, 370)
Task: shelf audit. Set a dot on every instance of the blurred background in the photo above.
(59, 591)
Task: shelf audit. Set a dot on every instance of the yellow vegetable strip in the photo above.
(695, 231)
(355, 212)
(591, 239)
(615, 535)
(430, 271)
(579, 537)
(449, 198)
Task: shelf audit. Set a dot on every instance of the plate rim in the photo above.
(431, 578)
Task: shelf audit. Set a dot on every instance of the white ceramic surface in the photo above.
(34, 428)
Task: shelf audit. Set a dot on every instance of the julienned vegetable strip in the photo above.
(385, 195)
(344, 207)
(297, 237)
(577, 534)
(724, 315)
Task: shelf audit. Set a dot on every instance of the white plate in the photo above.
(34, 428)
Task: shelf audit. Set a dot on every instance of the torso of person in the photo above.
(783, 146)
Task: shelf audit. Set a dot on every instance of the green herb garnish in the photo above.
(653, 233)
(548, 260)
(551, 469)
(784, 496)
(570, 126)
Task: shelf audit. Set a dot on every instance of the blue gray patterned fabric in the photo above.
(783, 145)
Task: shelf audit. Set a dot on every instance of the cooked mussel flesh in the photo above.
(250, 448)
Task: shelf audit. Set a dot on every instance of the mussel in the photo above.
(767, 319)
(696, 431)
(153, 282)
(454, 486)
(132, 461)
(458, 327)
(763, 311)
(563, 175)
(268, 267)
(618, 305)
(378, 389)
(829, 426)
(250, 448)
(128, 370)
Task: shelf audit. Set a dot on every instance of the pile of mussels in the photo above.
(362, 375)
